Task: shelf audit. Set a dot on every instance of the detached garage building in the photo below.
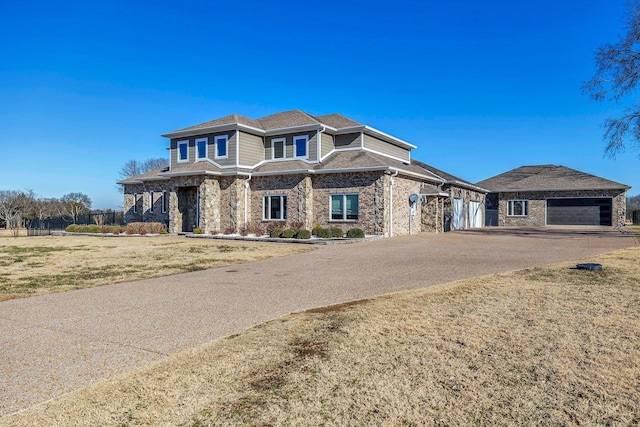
(536, 196)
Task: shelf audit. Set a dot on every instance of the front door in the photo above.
(188, 207)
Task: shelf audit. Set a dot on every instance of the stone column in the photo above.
(236, 204)
(382, 188)
(209, 205)
(175, 218)
(305, 202)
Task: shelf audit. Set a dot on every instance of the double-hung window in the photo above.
(518, 208)
(275, 207)
(300, 145)
(222, 151)
(344, 207)
(135, 202)
(278, 148)
(201, 148)
(183, 151)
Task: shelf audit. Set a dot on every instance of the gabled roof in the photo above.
(287, 119)
(547, 177)
(448, 178)
(337, 121)
(227, 120)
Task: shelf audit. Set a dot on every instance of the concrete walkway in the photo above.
(53, 344)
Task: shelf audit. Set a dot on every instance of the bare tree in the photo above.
(134, 168)
(75, 204)
(616, 79)
(15, 207)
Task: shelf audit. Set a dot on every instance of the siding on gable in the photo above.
(349, 140)
(231, 148)
(312, 145)
(251, 149)
(387, 148)
(328, 144)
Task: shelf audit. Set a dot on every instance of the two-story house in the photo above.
(292, 166)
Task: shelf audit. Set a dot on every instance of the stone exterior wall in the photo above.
(432, 214)
(467, 196)
(538, 206)
(370, 217)
(403, 221)
(221, 202)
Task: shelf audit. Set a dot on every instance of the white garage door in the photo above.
(458, 215)
(475, 214)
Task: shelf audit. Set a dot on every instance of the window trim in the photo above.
(135, 202)
(206, 148)
(164, 201)
(283, 204)
(273, 148)
(217, 140)
(180, 143)
(525, 207)
(295, 147)
(344, 213)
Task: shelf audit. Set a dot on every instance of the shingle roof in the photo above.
(136, 179)
(227, 120)
(337, 121)
(547, 177)
(287, 119)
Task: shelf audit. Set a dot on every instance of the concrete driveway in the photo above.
(53, 344)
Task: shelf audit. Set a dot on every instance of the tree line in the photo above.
(17, 207)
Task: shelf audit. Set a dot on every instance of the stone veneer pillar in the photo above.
(236, 204)
(382, 188)
(175, 218)
(209, 205)
(305, 202)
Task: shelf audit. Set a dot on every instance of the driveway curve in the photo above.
(54, 344)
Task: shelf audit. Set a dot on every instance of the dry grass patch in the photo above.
(544, 346)
(38, 265)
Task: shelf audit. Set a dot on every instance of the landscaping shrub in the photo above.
(163, 231)
(197, 230)
(276, 232)
(73, 228)
(323, 233)
(106, 229)
(303, 234)
(355, 233)
(289, 233)
(154, 227)
(336, 232)
(272, 225)
(315, 229)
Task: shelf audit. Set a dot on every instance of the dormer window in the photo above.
(300, 145)
(201, 148)
(277, 147)
(183, 151)
(221, 147)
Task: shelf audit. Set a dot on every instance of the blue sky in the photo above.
(480, 87)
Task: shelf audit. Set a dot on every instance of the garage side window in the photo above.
(518, 208)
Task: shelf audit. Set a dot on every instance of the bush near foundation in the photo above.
(355, 233)
(303, 234)
(315, 229)
(323, 233)
(272, 225)
(197, 230)
(131, 228)
(289, 233)
(275, 233)
(336, 232)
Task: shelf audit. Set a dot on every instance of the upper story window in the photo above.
(518, 208)
(183, 151)
(344, 207)
(300, 145)
(201, 148)
(277, 148)
(222, 143)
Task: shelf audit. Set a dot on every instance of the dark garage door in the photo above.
(579, 212)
